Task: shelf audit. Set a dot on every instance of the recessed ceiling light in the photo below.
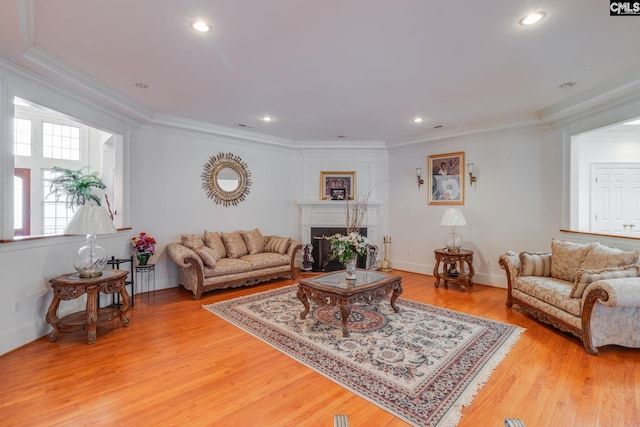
(567, 85)
(418, 120)
(201, 26)
(142, 85)
(533, 18)
(266, 118)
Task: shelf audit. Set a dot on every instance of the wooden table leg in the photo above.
(436, 273)
(52, 317)
(92, 313)
(303, 299)
(345, 311)
(125, 305)
(397, 291)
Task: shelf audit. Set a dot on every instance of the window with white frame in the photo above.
(43, 139)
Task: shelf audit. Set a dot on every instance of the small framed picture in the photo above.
(446, 179)
(345, 181)
(338, 193)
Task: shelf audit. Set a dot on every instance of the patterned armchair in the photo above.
(589, 290)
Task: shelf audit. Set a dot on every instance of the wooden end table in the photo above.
(462, 276)
(335, 289)
(70, 286)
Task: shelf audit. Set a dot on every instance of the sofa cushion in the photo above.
(227, 266)
(209, 256)
(266, 259)
(213, 240)
(535, 264)
(254, 241)
(566, 258)
(277, 244)
(234, 244)
(601, 256)
(552, 291)
(192, 241)
(586, 277)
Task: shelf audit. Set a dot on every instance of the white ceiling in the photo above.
(361, 69)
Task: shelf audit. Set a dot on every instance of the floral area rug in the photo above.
(422, 364)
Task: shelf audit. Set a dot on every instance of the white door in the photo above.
(615, 198)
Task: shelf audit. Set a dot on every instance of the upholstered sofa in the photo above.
(589, 290)
(217, 260)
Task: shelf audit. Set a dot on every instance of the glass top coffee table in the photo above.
(334, 289)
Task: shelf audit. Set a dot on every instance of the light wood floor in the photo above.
(178, 364)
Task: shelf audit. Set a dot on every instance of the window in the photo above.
(55, 213)
(22, 204)
(43, 139)
(22, 137)
(60, 141)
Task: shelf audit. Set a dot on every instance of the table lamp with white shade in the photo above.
(453, 218)
(90, 220)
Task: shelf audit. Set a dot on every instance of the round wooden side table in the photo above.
(71, 286)
(453, 268)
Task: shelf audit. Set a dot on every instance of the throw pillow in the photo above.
(213, 240)
(192, 241)
(277, 244)
(566, 259)
(234, 244)
(209, 256)
(254, 241)
(586, 277)
(601, 256)
(535, 264)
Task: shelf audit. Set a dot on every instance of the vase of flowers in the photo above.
(347, 248)
(144, 245)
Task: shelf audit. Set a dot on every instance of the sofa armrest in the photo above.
(183, 256)
(510, 262)
(294, 247)
(621, 292)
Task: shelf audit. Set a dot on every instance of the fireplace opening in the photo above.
(322, 257)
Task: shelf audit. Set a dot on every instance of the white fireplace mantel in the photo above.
(331, 213)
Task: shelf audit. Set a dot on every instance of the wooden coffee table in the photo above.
(335, 289)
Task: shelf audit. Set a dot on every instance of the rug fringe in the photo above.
(454, 415)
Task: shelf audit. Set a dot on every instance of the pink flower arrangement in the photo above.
(144, 242)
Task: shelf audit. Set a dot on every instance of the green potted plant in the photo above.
(76, 186)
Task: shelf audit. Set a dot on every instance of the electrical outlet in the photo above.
(489, 263)
(16, 306)
(408, 253)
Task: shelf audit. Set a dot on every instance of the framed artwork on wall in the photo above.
(330, 180)
(446, 179)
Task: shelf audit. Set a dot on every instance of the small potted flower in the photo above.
(144, 246)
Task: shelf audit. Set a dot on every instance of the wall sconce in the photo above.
(419, 176)
(472, 178)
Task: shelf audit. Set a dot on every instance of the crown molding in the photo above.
(25, 22)
(118, 101)
(467, 132)
(615, 92)
(174, 122)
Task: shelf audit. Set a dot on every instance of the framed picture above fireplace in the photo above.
(333, 180)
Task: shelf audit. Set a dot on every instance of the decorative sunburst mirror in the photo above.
(226, 179)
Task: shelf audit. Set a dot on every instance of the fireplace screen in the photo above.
(323, 259)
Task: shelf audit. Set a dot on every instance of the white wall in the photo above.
(514, 205)
(167, 198)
